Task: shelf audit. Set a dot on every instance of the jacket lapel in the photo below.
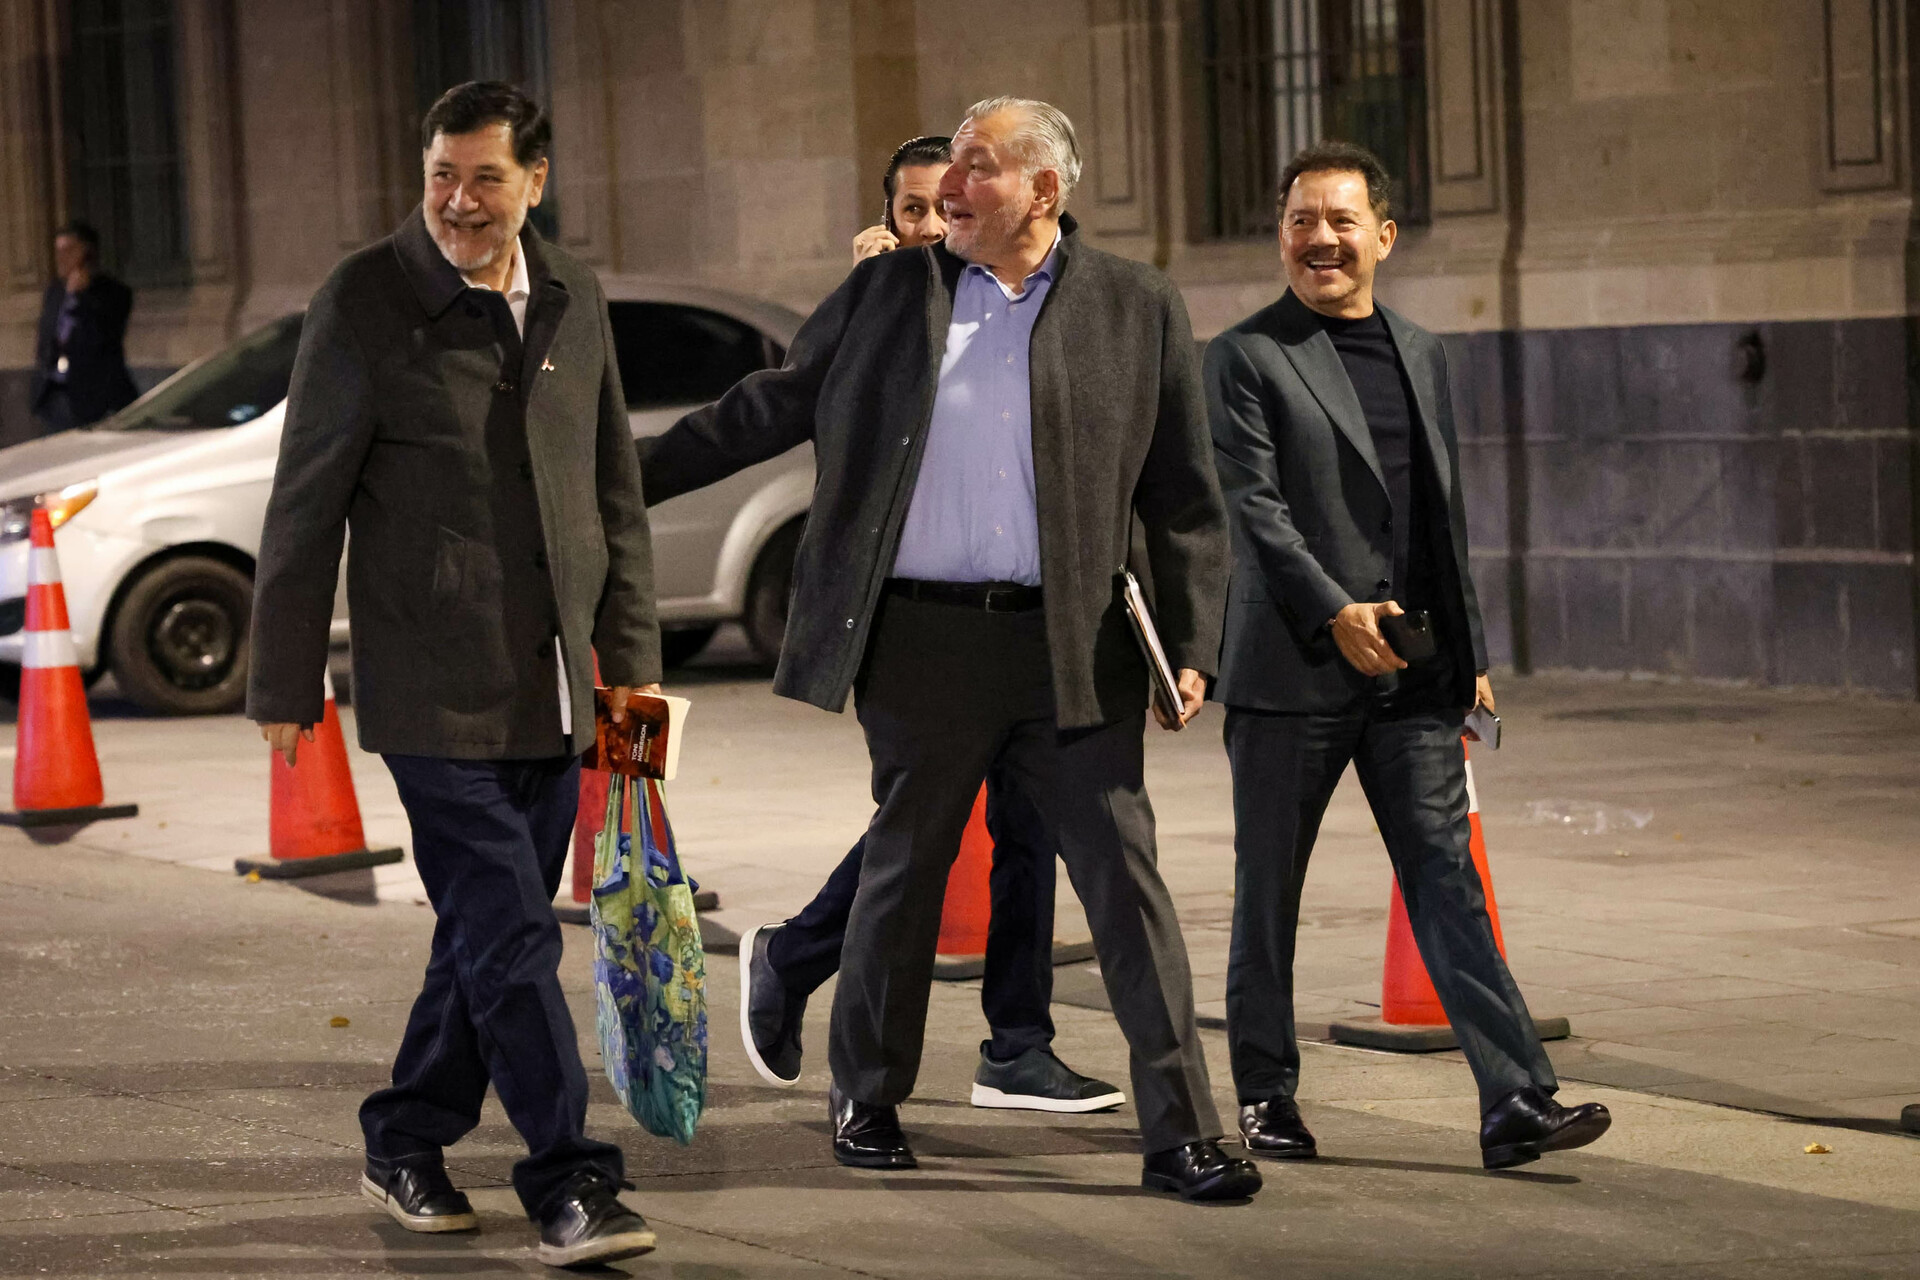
(1310, 351)
(1050, 407)
(1411, 343)
(547, 301)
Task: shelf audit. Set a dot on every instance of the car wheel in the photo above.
(9, 682)
(768, 589)
(683, 644)
(179, 640)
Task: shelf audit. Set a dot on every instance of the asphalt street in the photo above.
(1715, 884)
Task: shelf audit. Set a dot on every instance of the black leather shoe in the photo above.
(586, 1225)
(417, 1195)
(1527, 1122)
(1274, 1128)
(866, 1136)
(770, 1015)
(1200, 1171)
(1038, 1081)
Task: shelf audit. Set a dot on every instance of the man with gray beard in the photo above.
(456, 402)
(989, 416)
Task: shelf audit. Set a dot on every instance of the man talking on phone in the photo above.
(1353, 635)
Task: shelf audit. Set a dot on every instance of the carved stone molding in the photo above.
(1463, 78)
(27, 204)
(1860, 149)
(1120, 158)
(208, 117)
(369, 68)
(584, 127)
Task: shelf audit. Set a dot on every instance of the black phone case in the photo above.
(1410, 634)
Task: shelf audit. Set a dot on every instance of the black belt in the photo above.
(994, 597)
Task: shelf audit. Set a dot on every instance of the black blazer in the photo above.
(494, 500)
(97, 379)
(1119, 428)
(1309, 509)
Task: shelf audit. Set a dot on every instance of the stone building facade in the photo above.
(1672, 243)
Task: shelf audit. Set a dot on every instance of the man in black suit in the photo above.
(79, 356)
(456, 401)
(782, 964)
(1333, 433)
(988, 417)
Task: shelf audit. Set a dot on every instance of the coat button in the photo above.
(526, 471)
(905, 441)
(1386, 526)
(504, 387)
(540, 561)
(1381, 585)
(849, 624)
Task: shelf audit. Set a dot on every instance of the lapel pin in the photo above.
(546, 366)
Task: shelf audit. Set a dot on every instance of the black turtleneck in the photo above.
(1373, 366)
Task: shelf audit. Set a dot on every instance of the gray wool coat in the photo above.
(494, 499)
(1119, 431)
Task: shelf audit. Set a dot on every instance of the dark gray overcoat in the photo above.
(1312, 523)
(494, 498)
(1119, 428)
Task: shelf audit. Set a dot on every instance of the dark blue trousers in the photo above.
(489, 840)
(1016, 989)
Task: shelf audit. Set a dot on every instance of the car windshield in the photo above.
(234, 386)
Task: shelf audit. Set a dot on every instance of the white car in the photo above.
(158, 509)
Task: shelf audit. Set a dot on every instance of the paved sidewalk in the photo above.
(176, 1102)
(1718, 885)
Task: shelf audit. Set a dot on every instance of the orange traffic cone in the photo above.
(314, 827)
(969, 905)
(586, 832)
(56, 775)
(1411, 1018)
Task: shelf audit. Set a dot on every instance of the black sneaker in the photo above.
(418, 1196)
(586, 1225)
(1038, 1081)
(770, 1015)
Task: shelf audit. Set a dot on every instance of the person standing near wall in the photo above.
(79, 356)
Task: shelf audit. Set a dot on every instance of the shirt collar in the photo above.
(1048, 266)
(519, 288)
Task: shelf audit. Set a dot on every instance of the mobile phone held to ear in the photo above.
(1410, 634)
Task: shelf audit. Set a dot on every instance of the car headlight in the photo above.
(62, 505)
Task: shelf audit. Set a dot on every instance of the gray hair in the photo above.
(1044, 140)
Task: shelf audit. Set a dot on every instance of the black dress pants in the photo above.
(1413, 769)
(950, 695)
(1016, 988)
(489, 840)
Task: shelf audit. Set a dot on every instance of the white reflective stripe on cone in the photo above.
(43, 567)
(326, 679)
(1473, 797)
(48, 649)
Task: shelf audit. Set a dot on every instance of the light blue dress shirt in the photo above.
(974, 517)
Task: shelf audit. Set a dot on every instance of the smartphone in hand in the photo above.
(1484, 726)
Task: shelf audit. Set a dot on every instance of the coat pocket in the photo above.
(449, 569)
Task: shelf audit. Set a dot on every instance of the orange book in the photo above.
(644, 745)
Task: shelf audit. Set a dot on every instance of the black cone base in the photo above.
(66, 817)
(326, 864)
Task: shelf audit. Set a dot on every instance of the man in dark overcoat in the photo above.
(456, 403)
(989, 416)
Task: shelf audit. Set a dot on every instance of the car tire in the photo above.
(768, 589)
(179, 644)
(10, 681)
(682, 645)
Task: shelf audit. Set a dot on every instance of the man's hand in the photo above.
(1193, 696)
(285, 738)
(1483, 693)
(621, 692)
(1356, 629)
(873, 242)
